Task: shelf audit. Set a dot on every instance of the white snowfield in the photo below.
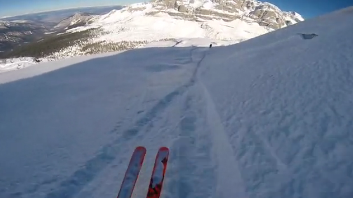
(124, 25)
(15, 63)
(11, 64)
(270, 117)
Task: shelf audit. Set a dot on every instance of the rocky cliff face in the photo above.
(265, 14)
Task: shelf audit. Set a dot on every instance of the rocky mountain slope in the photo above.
(264, 13)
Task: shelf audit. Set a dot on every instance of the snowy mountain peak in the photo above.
(297, 16)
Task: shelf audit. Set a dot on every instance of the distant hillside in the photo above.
(19, 30)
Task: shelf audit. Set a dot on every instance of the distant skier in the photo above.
(210, 45)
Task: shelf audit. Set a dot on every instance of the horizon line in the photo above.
(69, 8)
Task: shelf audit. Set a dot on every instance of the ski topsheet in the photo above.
(132, 172)
(159, 169)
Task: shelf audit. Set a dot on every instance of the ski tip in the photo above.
(163, 148)
(141, 148)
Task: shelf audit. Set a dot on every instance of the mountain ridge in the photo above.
(264, 13)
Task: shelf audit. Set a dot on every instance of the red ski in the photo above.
(159, 169)
(132, 172)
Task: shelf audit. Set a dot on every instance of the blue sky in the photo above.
(308, 8)
(311, 8)
(18, 7)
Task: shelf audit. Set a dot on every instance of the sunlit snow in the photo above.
(270, 117)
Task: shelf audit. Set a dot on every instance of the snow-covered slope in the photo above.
(18, 63)
(138, 26)
(269, 117)
(78, 19)
(15, 63)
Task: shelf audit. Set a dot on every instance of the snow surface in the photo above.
(16, 63)
(11, 64)
(269, 117)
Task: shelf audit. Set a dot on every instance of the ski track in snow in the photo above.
(229, 175)
(190, 162)
(215, 171)
(83, 176)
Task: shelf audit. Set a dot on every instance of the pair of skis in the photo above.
(133, 170)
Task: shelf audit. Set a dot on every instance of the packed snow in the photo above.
(268, 117)
(16, 63)
(11, 64)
